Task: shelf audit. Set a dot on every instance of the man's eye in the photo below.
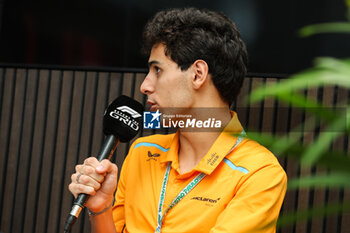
(157, 69)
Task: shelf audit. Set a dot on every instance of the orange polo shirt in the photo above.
(242, 191)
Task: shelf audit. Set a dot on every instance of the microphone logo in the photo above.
(131, 111)
(120, 115)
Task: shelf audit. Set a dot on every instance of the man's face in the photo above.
(165, 85)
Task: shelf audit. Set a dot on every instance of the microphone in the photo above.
(122, 120)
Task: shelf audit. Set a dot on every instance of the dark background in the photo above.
(108, 32)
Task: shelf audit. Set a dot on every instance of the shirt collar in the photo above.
(221, 147)
(172, 154)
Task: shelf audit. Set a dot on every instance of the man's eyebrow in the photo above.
(150, 63)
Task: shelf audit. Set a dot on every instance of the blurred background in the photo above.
(108, 32)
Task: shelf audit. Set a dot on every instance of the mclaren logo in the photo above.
(131, 111)
(207, 201)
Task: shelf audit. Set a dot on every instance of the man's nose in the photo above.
(147, 86)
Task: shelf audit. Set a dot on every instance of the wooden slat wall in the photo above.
(51, 119)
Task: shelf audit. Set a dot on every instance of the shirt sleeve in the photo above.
(256, 205)
(118, 210)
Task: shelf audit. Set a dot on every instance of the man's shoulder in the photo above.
(253, 156)
(150, 148)
(161, 140)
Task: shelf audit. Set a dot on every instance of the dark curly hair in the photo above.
(190, 34)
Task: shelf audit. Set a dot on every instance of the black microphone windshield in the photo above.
(123, 118)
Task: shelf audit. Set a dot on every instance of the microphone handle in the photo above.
(108, 147)
(106, 152)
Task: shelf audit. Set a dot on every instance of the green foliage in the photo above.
(338, 27)
(326, 71)
(320, 211)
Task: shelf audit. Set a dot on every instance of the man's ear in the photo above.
(200, 71)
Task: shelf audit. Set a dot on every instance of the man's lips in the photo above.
(153, 105)
(150, 102)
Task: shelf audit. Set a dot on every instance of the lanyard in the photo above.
(183, 193)
(178, 198)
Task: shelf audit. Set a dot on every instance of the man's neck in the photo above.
(193, 146)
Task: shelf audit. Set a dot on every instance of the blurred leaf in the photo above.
(308, 105)
(282, 143)
(333, 64)
(333, 180)
(320, 211)
(327, 71)
(336, 161)
(336, 27)
(327, 136)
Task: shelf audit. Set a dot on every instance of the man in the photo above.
(189, 181)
